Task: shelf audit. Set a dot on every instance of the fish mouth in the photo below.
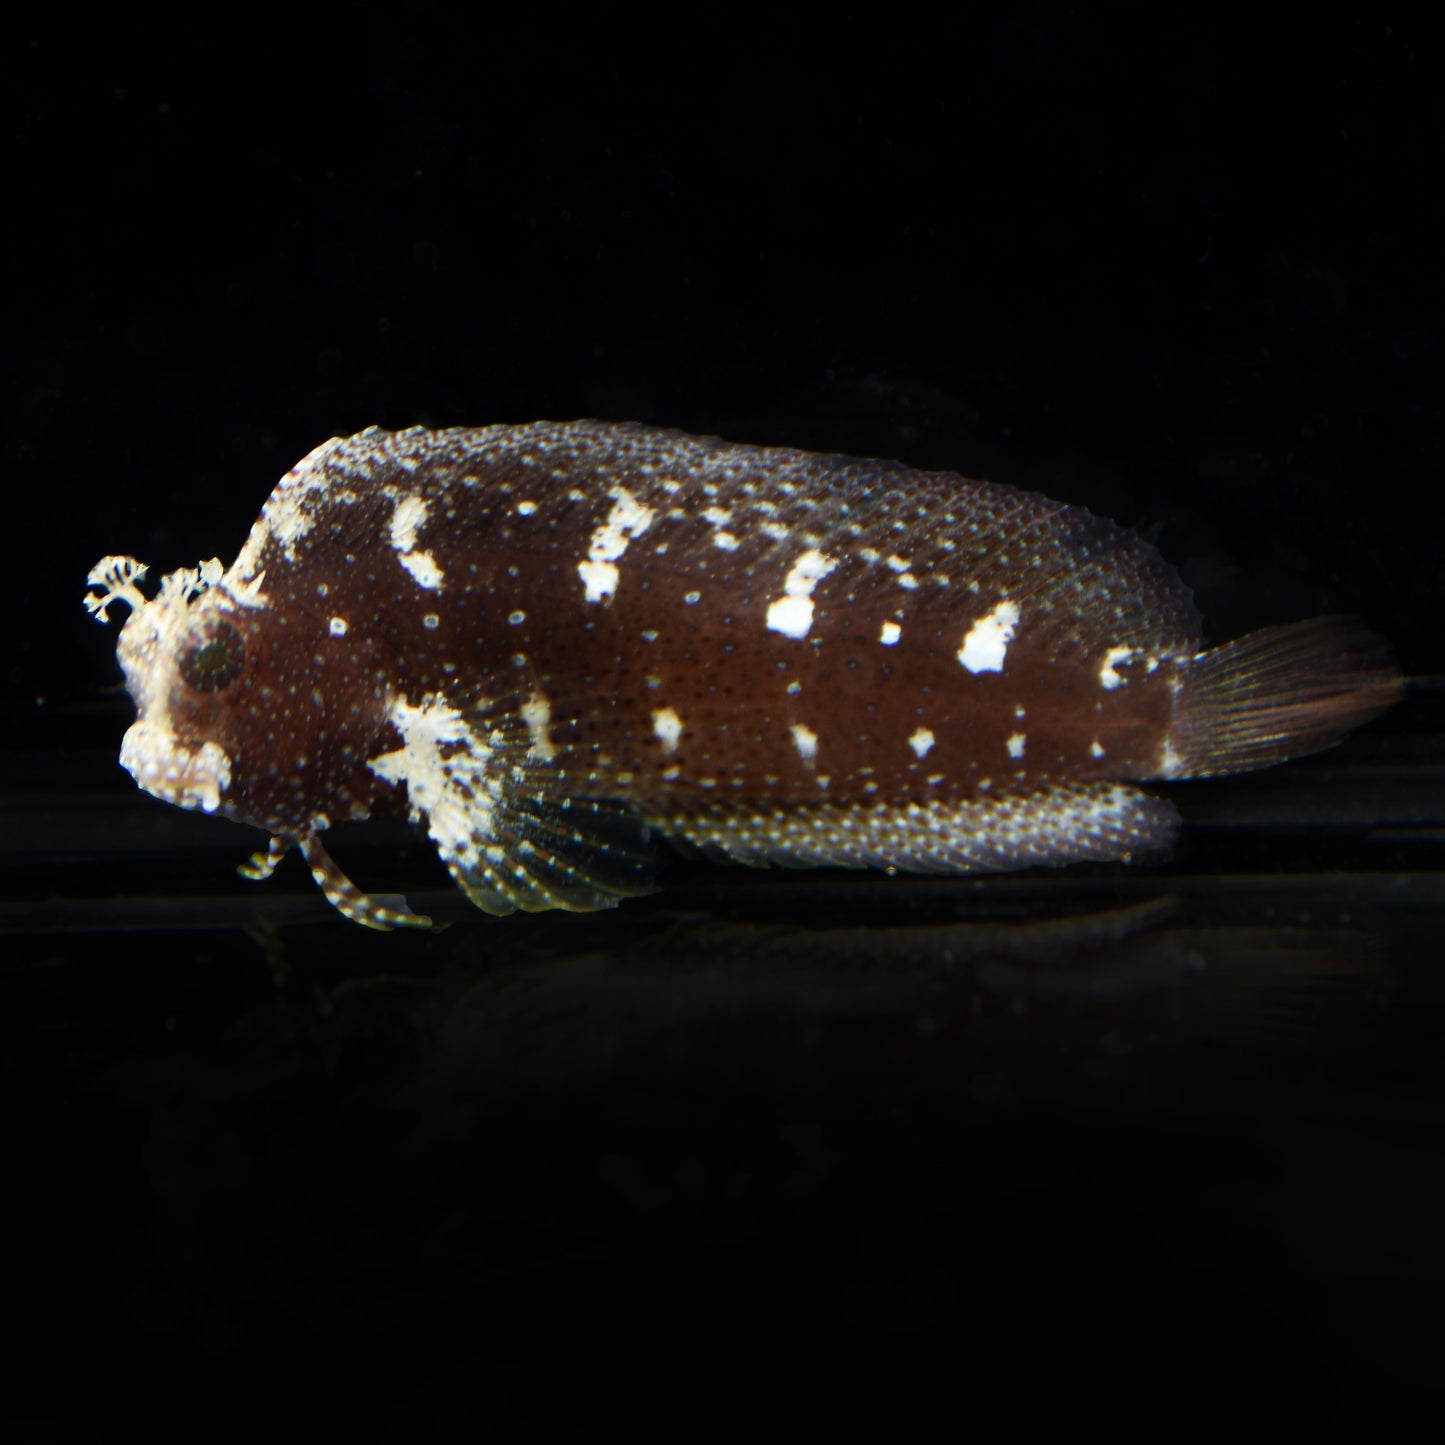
(176, 772)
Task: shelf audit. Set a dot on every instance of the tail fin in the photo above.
(1278, 693)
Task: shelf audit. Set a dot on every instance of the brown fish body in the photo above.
(538, 638)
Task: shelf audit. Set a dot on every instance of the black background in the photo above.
(533, 1179)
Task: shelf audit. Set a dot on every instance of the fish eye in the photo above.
(213, 657)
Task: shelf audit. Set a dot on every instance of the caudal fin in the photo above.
(1278, 693)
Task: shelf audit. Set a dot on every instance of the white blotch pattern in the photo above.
(806, 742)
(439, 750)
(599, 578)
(338, 627)
(1096, 749)
(668, 727)
(537, 714)
(407, 520)
(922, 742)
(1016, 744)
(1108, 678)
(792, 613)
(424, 570)
(627, 520)
(889, 634)
(986, 643)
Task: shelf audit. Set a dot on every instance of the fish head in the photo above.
(183, 659)
(220, 726)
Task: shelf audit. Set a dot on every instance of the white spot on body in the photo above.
(424, 570)
(792, 613)
(792, 616)
(1171, 765)
(725, 540)
(889, 634)
(337, 627)
(525, 509)
(1108, 678)
(627, 520)
(806, 742)
(439, 751)
(986, 644)
(922, 742)
(599, 578)
(1096, 749)
(537, 714)
(1016, 744)
(668, 728)
(284, 520)
(406, 521)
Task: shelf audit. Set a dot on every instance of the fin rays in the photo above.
(547, 852)
(1067, 823)
(494, 800)
(1279, 693)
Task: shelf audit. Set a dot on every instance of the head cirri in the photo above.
(179, 651)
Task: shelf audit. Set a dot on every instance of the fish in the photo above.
(554, 644)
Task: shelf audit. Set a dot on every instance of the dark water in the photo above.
(1122, 1149)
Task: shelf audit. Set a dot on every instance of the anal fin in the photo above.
(1065, 823)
